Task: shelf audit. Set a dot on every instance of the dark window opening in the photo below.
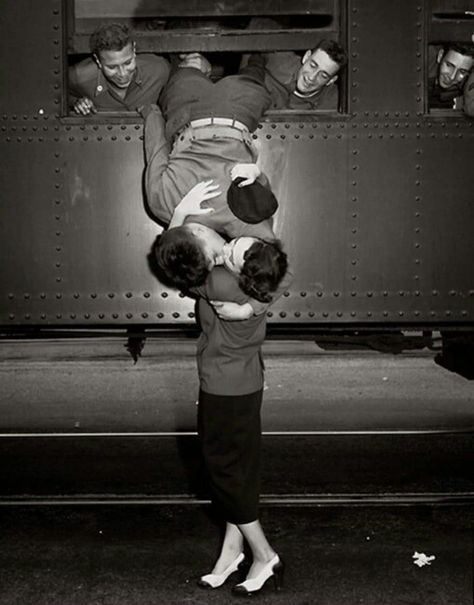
(224, 31)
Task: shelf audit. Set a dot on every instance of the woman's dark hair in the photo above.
(265, 265)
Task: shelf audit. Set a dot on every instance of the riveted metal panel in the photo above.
(28, 229)
(445, 214)
(380, 251)
(375, 206)
(31, 51)
(311, 219)
(386, 55)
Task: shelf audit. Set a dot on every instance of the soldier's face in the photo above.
(317, 71)
(118, 66)
(453, 68)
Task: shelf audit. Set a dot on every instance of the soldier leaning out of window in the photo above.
(115, 78)
(449, 69)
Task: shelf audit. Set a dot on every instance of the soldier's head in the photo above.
(320, 67)
(114, 52)
(455, 61)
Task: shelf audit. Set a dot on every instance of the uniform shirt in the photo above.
(191, 95)
(469, 95)
(281, 70)
(87, 80)
(228, 352)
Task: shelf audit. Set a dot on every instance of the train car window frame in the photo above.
(333, 25)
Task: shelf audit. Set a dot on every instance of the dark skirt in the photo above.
(229, 429)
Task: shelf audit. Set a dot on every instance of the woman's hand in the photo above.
(191, 202)
(232, 311)
(249, 172)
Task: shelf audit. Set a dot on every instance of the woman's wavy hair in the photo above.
(265, 265)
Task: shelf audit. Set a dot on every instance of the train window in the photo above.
(449, 57)
(227, 33)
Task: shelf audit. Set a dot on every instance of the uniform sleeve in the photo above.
(254, 68)
(157, 151)
(469, 96)
(78, 77)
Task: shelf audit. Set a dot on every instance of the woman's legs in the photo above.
(232, 546)
(262, 552)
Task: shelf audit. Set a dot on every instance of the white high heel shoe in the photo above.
(214, 580)
(273, 568)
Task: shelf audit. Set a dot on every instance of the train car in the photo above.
(375, 195)
(375, 212)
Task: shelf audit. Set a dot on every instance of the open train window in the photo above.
(450, 58)
(227, 33)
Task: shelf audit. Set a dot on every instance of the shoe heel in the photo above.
(278, 573)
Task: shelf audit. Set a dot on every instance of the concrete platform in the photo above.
(152, 555)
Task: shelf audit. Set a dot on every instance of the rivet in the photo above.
(87, 315)
(94, 295)
(111, 295)
(128, 294)
(325, 314)
(115, 315)
(164, 295)
(129, 316)
(310, 313)
(282, 314)
(101, 315)
(146, 295)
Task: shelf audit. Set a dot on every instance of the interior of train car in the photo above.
(365, 357)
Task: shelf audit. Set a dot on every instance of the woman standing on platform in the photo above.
(229, 426)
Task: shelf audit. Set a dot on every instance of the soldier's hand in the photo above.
(84, 106)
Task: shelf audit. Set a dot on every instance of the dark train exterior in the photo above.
(376, 199)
